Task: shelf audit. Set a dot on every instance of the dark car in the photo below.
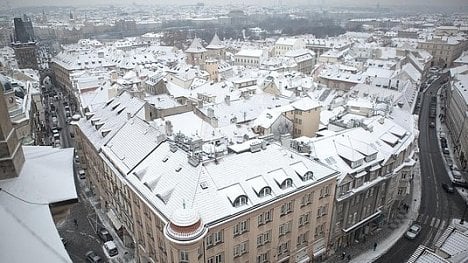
(448, 188)
(92, 257)
(104, 235)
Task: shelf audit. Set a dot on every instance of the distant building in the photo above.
(195, 52)
(443, 49)
(24, 44)
(250, 57)
(283, 45)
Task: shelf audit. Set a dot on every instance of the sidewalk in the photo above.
(125, 254)
(389, 234)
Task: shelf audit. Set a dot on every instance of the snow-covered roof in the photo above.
(196, 46)
(215, 43)
(114, 114)
(355, 143)
(46, 178)
(223, 181)
(250, 53)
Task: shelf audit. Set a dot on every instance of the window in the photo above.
(319, 230)
(214, 239)
(325, 191)
(184, 258)
(216, 259)
(304, 219)
(285, 228)
(241, 249)
(287, 208)
(322, 210)
(240, 201)
(264, 238)
(283, 248)
(241, 228)
(308, 176)
(265, 191)
(265, 217)
(307, 199)
(302, 239)
(286, 184)
(263, 258)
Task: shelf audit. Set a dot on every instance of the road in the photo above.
(437, 206)
(82, 236)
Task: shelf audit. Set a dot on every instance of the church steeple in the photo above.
(11, 152)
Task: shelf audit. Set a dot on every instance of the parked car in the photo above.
(105, 235)
(448, 188)
(82, 174)
(111, 248)
(413, 231)
(445, 150)
(92, 257)
(432, 124)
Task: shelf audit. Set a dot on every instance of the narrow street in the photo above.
(437, 206)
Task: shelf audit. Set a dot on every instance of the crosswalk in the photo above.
(433, 222)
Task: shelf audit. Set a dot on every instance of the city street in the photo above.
(437, 206)
(80, 236)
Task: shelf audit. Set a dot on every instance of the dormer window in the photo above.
(240, 201)
(371, 157)
(308, 176)
(286, 184)
(356, 164)
(265, 191)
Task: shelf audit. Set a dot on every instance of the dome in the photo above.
(185, 226)
(185, 217)
(6, 84)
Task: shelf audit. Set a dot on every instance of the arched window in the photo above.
(265, 191)
(286, 184)
(240, 201)
(308, 176)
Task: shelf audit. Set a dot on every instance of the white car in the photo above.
(413, 231)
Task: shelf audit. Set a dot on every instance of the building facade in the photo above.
(173, 202)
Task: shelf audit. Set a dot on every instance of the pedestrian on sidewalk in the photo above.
(375, 245)
(75, 222)
(349, 258)
(343, 255)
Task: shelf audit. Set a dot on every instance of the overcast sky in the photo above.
(18, 3)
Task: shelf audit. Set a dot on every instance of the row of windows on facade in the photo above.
(243, 247)
(264, 218)
(247, 61)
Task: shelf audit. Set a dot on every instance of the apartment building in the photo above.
(177, 201)
(376, 161)
(443, 49)
(457, 116)
(250, 57)
(284, 45)
(300, 118)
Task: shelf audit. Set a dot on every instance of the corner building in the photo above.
(184, 201)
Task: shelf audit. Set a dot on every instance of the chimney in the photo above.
(227, 99)
(210, 112)
(169, 129)
(129, 115)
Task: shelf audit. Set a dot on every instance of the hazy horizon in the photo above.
(446, 3)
